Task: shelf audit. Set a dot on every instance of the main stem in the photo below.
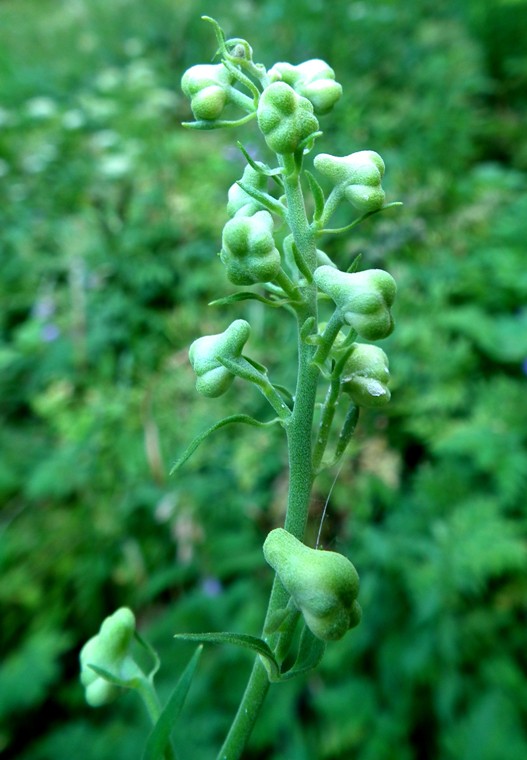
(299, 434)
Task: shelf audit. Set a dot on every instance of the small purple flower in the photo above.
(43, 308)
(211, 586)
(49, 333)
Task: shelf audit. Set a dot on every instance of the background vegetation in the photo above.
(110, 217)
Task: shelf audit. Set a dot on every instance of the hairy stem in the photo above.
(299, 432)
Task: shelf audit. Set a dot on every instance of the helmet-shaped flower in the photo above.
(364, 299)
(248, 250)
(285, 118)
(366, 375)
(212, 378)
(358, 176)
(323, 585)
(313, 79)
(207, 85)
(109, 650)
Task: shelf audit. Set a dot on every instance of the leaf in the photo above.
(241, 640)
(359, 219)
(218, 31)
(310, 652)
(232, 420)
(151, 651)
(306, 331)
(347, 431)
(260, 367)
(285, 392)
(247, 295)
(129, 683)
(270, 203)
(160, 735)
(318, 195)
(256, 165)
(291, 247)
(353, 267)
(218, 123)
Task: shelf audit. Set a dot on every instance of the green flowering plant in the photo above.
(270, 245)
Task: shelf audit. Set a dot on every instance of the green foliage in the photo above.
(108, 243)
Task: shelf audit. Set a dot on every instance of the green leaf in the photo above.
(160, 735)
(306, 331)
(247, 295)
(310, 652)
(257, 166)
(318, 195)
(347, 431)
(308, 142)
(359, 219)
(218, 123)
(260, 367)
(241, 640)
(218, 31)
(285, 392)
(129, 683)
(290, 248)
(270, 203)
(353, 267)
(152, 652)
(232, 420)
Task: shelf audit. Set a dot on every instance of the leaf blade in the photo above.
(160, 735)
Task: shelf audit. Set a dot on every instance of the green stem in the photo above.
(299, 432)
(151, 702)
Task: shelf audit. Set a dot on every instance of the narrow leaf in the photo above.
(347, 431)
(285, 393)
(318, 195)
(308, 142)
(238, 639)
(265, 199)
(300, 262)
(129, 683)
(218, 123)
(354, 264)
(160, 735)
(257, 166)
(247, 295)
(359, 219)
(260, 367)
(151, 651)
(310, 652)
(306, 331)
(218, 31)
(198, 440)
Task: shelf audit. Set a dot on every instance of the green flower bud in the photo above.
(358, 175)
(207, 85)
(285, 118)
(366, 375)
(364, 299)
(248, 249)
(313, 79)
(240, 203)
(323, 585)
(110, 650)
(213, 378)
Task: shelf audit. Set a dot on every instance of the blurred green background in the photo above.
(110, 219)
